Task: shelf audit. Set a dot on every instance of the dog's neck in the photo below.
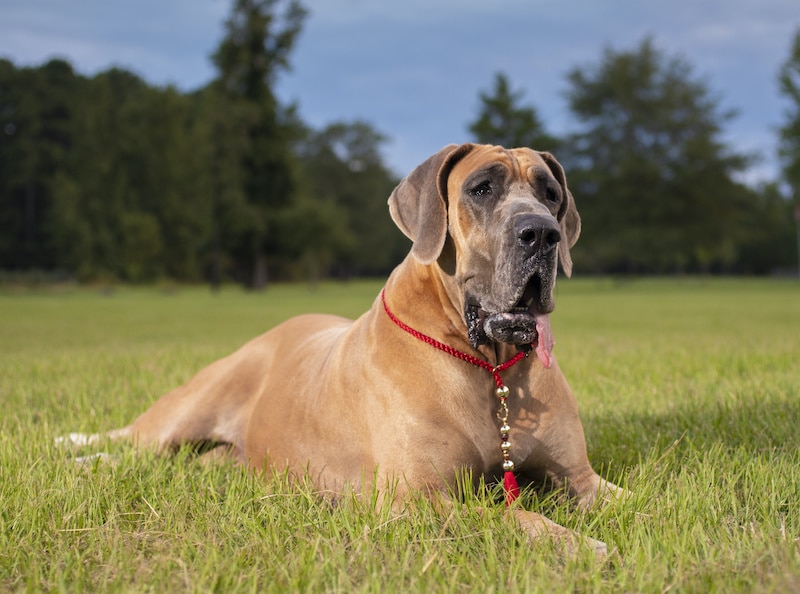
(428, 299)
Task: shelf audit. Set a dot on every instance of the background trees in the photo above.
(502, 120)
(789, 147)
(37, 107)
(254, 51)
(344, 190)
(656, 182)
(658, 189)
(108, 177)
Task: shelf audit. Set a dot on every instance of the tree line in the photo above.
(658, 188)
(110, 178)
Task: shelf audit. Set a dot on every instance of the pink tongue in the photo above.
(545, 342)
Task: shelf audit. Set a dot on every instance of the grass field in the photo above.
(690, 397)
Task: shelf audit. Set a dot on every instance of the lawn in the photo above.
(690, 397)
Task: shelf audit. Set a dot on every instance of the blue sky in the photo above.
(414, 68)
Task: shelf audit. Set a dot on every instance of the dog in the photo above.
(451, 369)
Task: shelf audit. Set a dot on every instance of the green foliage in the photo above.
(690, 405)
(36, 110)
(658, 189)
(345, 187)
(656, 185)
(501, 120)
(254, 50)
(789, 150)
(120, 207)
(110, 178)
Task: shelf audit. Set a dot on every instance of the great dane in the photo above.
(435, 378)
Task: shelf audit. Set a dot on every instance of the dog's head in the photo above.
(498, 221)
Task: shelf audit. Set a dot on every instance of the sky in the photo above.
(414, 69)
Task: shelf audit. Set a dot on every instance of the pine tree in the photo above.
(502, 120)
(254, 51)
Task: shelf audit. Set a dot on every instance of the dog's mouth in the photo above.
(524, 325)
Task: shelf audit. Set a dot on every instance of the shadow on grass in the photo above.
(617, 442)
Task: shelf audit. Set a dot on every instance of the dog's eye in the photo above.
(482, 189)
(552, 194)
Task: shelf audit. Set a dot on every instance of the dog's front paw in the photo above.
(606, 492)
(537, 527)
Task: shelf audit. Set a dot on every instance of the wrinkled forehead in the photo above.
(519, 164)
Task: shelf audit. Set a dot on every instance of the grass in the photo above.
(690, 397)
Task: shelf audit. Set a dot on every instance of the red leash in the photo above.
(510, 485)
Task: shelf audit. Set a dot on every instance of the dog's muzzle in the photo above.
(525, 322)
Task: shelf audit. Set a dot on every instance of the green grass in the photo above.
(690, 397)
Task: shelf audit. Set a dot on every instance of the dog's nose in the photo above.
(537, 234)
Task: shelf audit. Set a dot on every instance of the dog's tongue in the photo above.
(545, 342)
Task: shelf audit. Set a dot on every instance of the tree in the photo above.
(36, 110)
(218, 145)
(789, 81)
(771, 244)
(346, 185)
(109, 178)
(789, 149)
(14, 155)
(254, 51)
(655, 183)
(502, 120)
(128, 202)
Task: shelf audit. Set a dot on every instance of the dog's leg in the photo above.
(602, 491)
(212, 408)
(538, 527)
(562, 457)
(90, 439)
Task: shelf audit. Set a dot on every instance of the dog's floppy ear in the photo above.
(568, 217)
(418, 204)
